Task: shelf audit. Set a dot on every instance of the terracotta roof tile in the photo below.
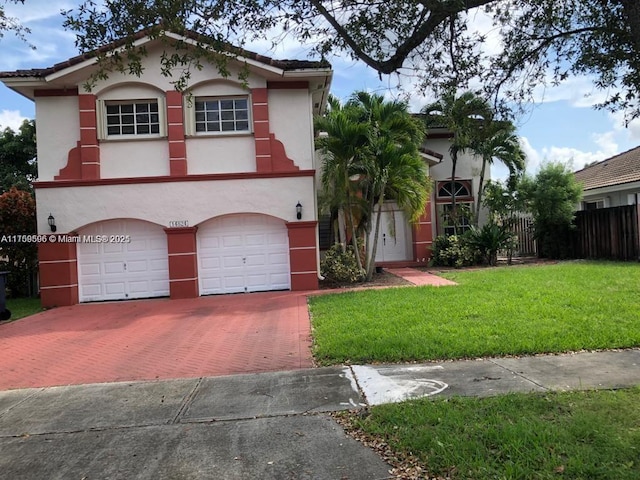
(622, 168)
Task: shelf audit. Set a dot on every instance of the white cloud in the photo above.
(573, 157)
(12, 119)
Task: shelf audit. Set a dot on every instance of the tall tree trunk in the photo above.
(354, 238)
(476, 217)
(374, 249)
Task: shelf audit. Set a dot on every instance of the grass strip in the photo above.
(572, 435)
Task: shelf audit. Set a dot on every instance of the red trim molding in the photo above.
(422, 242)
(177, 145)
(89, 149)
(167, 179)
(260, 116)
(56, 92)
(73, 169)
(303, 246)
(183, 262)
(58, 274)
(279, 85)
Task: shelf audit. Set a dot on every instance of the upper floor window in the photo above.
(140, 118)
(121, 119)
(217, 115)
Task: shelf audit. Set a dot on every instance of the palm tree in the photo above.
(499, 141)
(464, 116)
(343, 145)
(392, 168)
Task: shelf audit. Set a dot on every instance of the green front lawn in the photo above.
(498, 311)
(575, 435)
(23, 307)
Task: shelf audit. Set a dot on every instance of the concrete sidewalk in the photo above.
(266, 426)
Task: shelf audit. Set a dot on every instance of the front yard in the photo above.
(547, 308)
(501, 311)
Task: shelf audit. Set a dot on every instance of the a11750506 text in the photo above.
(61, 238)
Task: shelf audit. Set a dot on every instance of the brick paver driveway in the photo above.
(157, 339)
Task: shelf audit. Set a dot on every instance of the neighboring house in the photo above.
(160, 193)
(612, 182)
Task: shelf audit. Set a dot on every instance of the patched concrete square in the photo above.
(76, 408)
(278, 393)
(578, 371)
(390, 383)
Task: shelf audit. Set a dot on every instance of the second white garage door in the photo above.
(243, 253)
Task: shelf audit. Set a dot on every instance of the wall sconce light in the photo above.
(299, 210)
(52, 223)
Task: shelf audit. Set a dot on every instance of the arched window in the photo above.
(461, 189)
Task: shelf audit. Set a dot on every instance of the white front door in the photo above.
(393, 237)
(243, 253)
(137, 267)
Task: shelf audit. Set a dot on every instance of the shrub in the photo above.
(454, 251)
(340, 266)
(488, 240)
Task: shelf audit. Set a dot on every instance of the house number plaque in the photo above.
(178, 223)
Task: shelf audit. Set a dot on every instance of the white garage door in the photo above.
(116, 270)
(243, 253)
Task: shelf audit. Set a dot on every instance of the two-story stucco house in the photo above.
(158, 193)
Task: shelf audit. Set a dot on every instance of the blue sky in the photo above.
(561, 126)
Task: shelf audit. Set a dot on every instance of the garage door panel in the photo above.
(117, 271)
(250, 248)
(231, 241)
(116, 267)
(255, 240)
(256, 260)
(115, 289)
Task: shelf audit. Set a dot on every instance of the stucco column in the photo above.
(89, 148)
(58, 274)
(423, 237)
(183, 262)
(303, 246)
(177, 145)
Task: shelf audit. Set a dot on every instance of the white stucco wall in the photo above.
(221, 154)
(153, 76)
(291, 120)
(467, 168)
(196, 202)
(134, 158)
(58, 127)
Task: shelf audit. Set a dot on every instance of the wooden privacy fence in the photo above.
(522, 227)
(607, 233)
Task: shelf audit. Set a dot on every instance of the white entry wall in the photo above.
(394, 237)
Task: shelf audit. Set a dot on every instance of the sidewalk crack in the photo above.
(186, 403)
(519, 374)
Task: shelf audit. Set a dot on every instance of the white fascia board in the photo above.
(430, 159)
(309, 72)
(17, 82)
(621, 187)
